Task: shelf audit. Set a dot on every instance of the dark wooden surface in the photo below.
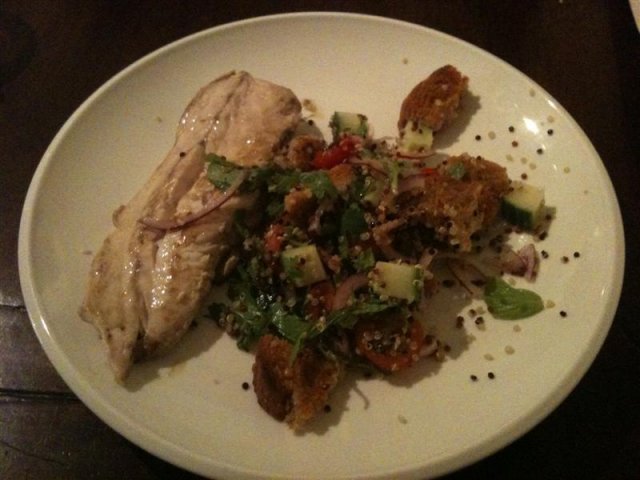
(54, 54)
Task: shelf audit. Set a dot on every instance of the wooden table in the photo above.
(53, 55)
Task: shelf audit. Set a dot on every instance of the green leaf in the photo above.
(251, 321)
(352, 221)
(457, 171)
(509, 303)
(343, 247)
(221, 172)
(348, 316)
(255, 268)
(365, 260)
(275, 207)
(282, 182)
(289, 325)
(320, 184)
(358, 187)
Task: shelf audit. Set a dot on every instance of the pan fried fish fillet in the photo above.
(151, 275)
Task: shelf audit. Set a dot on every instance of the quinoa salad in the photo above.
(342, 253)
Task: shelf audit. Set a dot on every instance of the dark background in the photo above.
(54, 54)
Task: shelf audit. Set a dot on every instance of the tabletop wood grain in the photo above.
(53, 55)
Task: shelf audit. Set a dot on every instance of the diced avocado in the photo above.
(415, 137)
(523, 206)
(397, 280)
(303, 265)
(347, 123)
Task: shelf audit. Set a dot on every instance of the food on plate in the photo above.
(293, 391)
(338, 271)
(152, 274)
(524, 205)
(327, 251)
(429, 107)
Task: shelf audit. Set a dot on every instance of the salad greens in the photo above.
(336, 257)
(509, 303)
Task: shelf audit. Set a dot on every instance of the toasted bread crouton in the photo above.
(462, 199)
(295, 392)
(302, 150)
(299, 205)
(434, 101)
(272, 376)
(341, 176)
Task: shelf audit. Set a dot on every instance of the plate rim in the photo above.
(173, 453)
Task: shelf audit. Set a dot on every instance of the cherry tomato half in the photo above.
(387, 344)
(335, 154)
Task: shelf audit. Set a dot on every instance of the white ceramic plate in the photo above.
(635, 10)
(189, 408)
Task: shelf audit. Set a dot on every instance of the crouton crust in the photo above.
(299, 205)
(342, 176)
(302, 150)
(272, 376)
(456, 208)
(434, 101)
(295, 392)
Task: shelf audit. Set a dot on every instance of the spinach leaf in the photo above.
(509, 303)
(289, 325)
(358, 187)
(352, 221)
(282, 182)
(348, 316)
(275, 207)
(250, 321)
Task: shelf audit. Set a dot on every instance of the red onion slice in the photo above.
(529, 256)
(375, 165)
(411, 183)
(427, 257)
(215, 202)
(384, 241)
(347, 288)
(511, 262)
(415, 156)
(523, 263)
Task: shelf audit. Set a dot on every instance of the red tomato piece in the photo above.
(322, 294)
(273, 238)
(387, 345)
(335, 154)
